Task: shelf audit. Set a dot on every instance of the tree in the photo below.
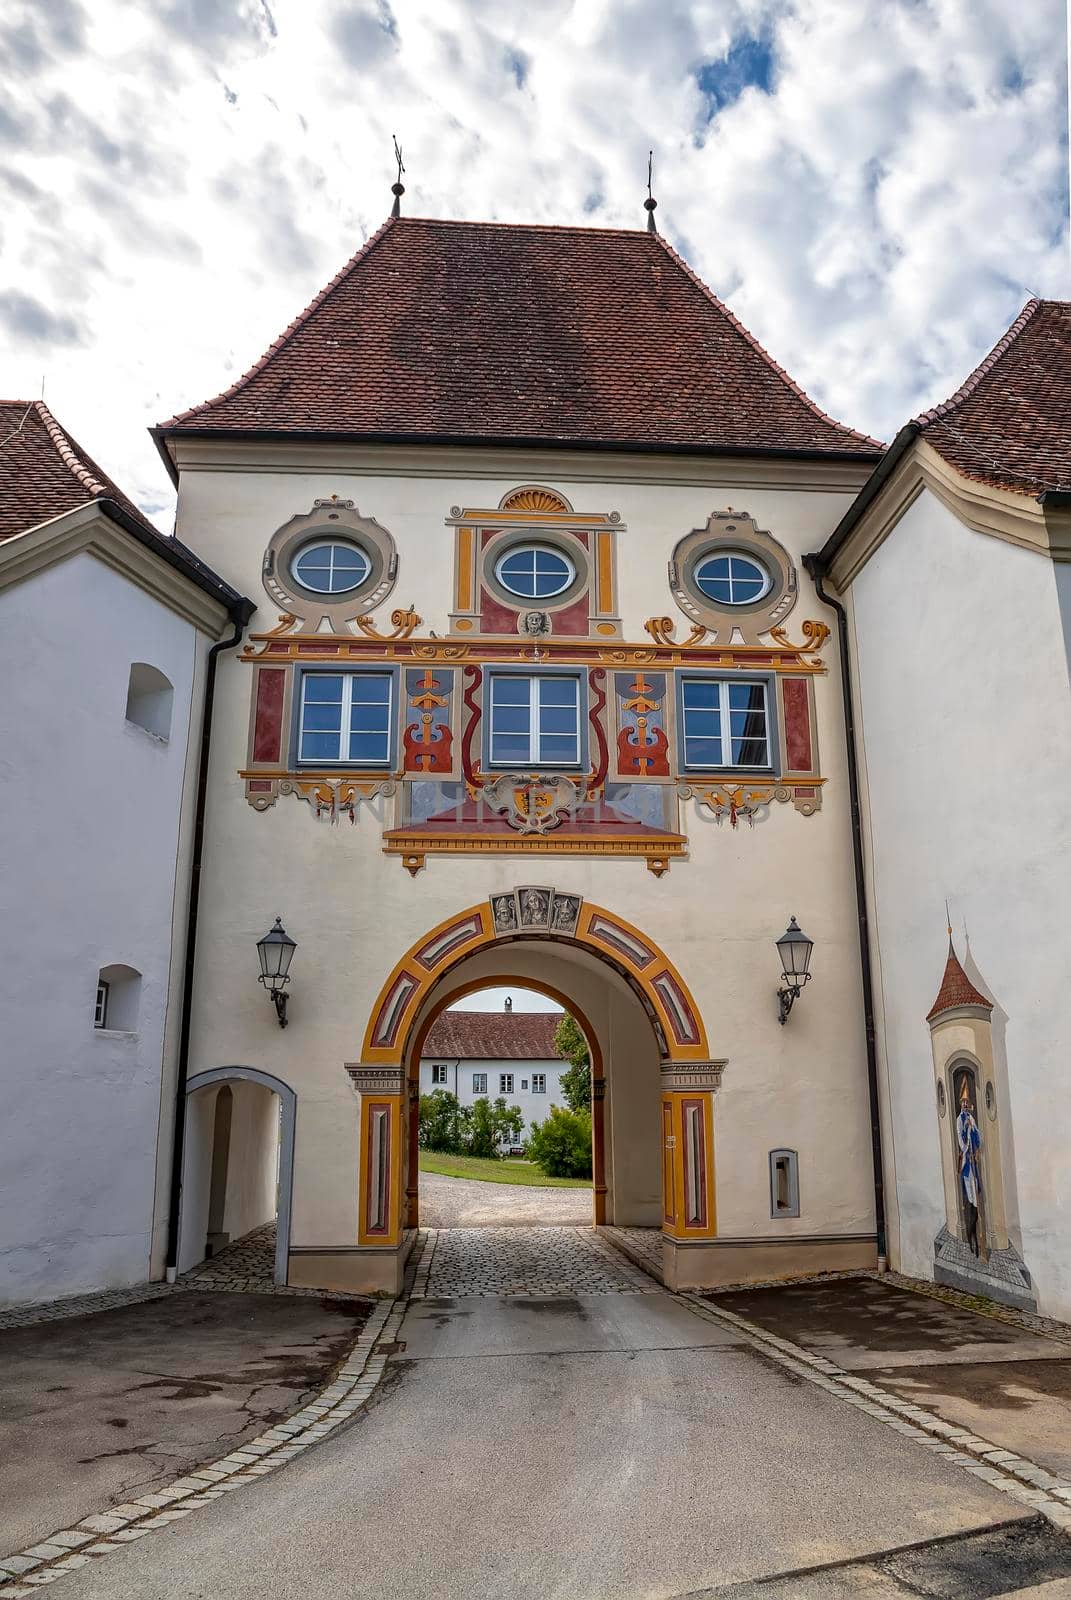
(493, 1125)
(570, 1043)
(561, 1146)
(443, 1123)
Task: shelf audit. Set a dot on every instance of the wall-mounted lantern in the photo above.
(276, 951)
(794, 948)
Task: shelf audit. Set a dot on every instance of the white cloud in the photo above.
(178, 181)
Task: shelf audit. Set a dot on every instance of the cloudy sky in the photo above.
(874, 185)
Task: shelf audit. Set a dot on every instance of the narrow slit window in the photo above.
(784, 1183)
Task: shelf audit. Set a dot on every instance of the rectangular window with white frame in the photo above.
(535, 719)
(344, 719)
(479, 1083)
(505, 1083)
(438, 1076)
(100, 1012)
(726, 724)
(539, 1083)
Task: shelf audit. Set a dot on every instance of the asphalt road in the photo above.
(597, 1447)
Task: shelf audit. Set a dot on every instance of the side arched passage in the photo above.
(238, 1165)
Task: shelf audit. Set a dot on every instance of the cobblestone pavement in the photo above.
(470, 1203)
(525, 1261)
(247, 1265)
(641, 1245)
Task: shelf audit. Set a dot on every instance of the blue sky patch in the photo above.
(749, 64)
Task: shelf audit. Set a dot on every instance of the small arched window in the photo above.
(149, 699)
(118, 999)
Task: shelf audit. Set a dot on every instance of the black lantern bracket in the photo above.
(276, 951)
(787, 996)
(795, 949)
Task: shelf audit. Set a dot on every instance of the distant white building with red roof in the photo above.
(491, 1054)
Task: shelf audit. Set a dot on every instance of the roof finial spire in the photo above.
(397, 188)
(650, 203)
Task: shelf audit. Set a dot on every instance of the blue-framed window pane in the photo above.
(731, 580)
(747, 724)
(559, 720)
(726, 724)
(360, 703)
(535, 572)
(370, 696)
(332, 567)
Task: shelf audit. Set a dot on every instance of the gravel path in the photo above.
(468, 1203)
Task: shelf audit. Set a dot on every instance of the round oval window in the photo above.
(534, 571)
(331, 566)
(730, 579)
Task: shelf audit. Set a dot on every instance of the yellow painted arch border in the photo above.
(619, 943)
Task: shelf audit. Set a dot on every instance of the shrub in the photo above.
(561, 1146)
(493, 1125)
(443, 1122)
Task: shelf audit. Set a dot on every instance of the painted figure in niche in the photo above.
(969, 1140)
(535, 904)
(505, 912)
(566, 911)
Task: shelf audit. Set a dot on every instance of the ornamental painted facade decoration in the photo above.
(651, 726)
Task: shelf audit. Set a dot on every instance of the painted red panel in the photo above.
(573, 619)
(495, 617)
(268, 723)
(797, 725)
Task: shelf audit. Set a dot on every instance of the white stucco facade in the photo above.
(96, 818)
(354, 911)
(965, 721)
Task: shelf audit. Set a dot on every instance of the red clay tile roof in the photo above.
(956, 989)
(1010, 423)
(493, 1036)
(43, 472)
(491, 332)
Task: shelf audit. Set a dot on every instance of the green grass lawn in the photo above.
(508, 1170)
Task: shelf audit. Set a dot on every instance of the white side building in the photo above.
(105, 633)
(479, 1055)
(953, 565)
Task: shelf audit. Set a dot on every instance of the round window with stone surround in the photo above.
(330, 563)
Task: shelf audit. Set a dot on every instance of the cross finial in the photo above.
(650, 203)
(397, 188)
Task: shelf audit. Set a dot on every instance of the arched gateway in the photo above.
(653, 1078)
